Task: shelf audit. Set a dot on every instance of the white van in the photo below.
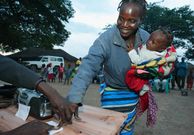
(46, 59)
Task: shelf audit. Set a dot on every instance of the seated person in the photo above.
(160, 83)
(154, 59)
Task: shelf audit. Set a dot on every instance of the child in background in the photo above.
(50, 76)
(157, 55)
(44, 71)
(68, 74)
(75, 69)
(61, 72)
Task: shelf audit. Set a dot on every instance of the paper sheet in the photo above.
(53, 123)
(23, 111)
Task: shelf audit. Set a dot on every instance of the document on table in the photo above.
(23, 111)
(53, 123)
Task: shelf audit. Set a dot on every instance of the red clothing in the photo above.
(61, 71)
(135, 83)
(170, 50)
(50, 76)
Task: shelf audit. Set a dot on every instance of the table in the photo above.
(94, 121)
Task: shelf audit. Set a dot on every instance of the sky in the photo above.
(92, 16)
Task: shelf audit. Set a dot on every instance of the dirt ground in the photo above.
(175, 115)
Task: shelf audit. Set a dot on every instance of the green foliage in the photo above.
(190, 53)
(180, 21)
(33, 23)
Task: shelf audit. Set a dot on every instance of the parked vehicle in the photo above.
(46, 59)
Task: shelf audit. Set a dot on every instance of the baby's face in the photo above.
(157, 41)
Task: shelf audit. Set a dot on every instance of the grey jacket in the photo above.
(16, 74)
(108, 50)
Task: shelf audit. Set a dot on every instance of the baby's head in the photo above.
(159, 40)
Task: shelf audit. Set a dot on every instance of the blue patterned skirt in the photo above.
(122, 101)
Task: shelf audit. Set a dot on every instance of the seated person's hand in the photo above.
(31, 128)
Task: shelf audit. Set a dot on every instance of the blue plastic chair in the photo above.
(167, 87)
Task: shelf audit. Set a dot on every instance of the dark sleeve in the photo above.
(16, 74)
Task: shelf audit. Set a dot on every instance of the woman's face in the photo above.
(129, 19)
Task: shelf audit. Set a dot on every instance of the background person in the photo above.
(50, 76)
(44, 71)
(161, 83)
(60, 72)
(74, 70)
(68, 74)
(174, 76)
(181, 73)
(190, 78)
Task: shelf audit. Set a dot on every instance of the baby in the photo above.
(158, 53)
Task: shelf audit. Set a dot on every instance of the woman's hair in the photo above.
(168, 35)
(141, 3)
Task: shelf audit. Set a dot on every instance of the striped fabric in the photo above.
(122, 101)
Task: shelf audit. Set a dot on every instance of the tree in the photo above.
(190, 53)
(33, 23)
(178, 20)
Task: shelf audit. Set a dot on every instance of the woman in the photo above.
(110, 50)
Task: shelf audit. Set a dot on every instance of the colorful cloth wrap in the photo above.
(122, 101)
(146, 101)
(139, 75)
